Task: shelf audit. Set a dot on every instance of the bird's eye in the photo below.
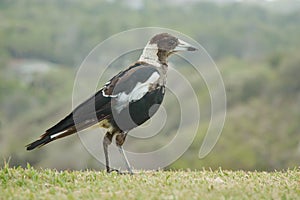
(171, 43)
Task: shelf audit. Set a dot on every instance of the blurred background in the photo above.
(255, 45)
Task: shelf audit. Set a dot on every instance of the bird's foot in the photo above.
(113, 170)
(119, 172)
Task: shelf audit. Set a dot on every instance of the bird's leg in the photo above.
(107, 141)
(121, 150)
(120, 138)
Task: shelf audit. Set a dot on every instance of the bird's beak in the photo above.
(184, 46)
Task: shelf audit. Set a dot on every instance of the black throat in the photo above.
(162, 56)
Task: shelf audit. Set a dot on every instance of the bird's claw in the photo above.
(119, 172)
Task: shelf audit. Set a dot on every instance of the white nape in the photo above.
(149, 55)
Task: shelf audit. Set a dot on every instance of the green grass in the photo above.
(30, 183)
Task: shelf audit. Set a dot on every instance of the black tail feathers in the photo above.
(38, 143)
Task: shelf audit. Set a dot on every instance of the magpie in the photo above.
(126, 101)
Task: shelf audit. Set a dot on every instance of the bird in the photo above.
(126, 101)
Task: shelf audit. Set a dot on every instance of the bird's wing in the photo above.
(86, 114)
(129, 85)
(126, 81)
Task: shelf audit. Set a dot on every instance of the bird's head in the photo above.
(161, 46)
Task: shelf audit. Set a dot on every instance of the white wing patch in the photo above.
(137, 93)
(58, 134)
(103, 91)
(107, 95)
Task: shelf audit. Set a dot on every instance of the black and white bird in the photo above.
(126, 101)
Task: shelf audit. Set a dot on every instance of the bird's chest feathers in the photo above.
(139, 90)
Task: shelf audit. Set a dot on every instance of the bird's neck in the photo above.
(152, 55)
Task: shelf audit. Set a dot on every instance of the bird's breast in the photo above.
(137, 112)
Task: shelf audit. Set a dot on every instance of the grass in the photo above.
(30, 183)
